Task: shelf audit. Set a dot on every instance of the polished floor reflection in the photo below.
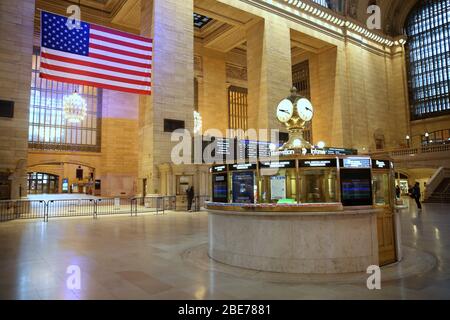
(141, 258)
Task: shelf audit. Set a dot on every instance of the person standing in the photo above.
(398, 192)
(416, 194)
(190, 197)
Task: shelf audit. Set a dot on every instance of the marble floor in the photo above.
(142, 258)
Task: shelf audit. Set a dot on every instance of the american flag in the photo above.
(95, 56)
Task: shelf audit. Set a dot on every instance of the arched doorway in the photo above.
(402, 180)
(42, 183)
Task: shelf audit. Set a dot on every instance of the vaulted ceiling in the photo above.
(394, 12)
(121, 14)
(225, 30)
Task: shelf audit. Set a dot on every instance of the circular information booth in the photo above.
(304, 214)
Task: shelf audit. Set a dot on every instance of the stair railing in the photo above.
(434, 182)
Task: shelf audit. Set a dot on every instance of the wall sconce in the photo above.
(427, 137)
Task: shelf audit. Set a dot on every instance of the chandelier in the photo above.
(75, 108)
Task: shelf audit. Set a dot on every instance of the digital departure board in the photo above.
(341, 151)
(224, 147)
(250, 149)
(356, 187)
(277, 164)
(220, 188)
(381, 164)
(218, 169)
(218, 149)
(242, 166)
(326, 163)
(356, 163)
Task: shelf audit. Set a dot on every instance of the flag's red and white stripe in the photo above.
(117, 61)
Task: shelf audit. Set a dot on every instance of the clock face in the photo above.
(285, 110)
(305, 109)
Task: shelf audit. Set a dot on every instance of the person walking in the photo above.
(416, 195)
(190, 197)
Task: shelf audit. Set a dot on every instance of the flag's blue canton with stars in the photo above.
(57, 36)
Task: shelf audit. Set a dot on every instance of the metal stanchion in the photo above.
(95, 208)
(45, 211)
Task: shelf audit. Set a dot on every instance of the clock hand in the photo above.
(308, 109)
(285, 111)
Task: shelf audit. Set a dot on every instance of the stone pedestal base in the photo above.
(306, 243)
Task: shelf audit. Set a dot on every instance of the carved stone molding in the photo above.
(198, 63)
(236, 72)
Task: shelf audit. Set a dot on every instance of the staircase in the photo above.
(438, 188)
(441, 194)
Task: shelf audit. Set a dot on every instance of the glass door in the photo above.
(318, 185)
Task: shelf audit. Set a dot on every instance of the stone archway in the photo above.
(65, 171)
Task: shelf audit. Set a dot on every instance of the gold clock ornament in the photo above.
(294, 112)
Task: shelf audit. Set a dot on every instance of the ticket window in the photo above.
(318, 185)
(183, 183)
(380, 182)
(220, 187)
(276, 185)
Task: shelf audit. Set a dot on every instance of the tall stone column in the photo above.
(16, 29)
(269, 66)
(170, 24)
(215, 100)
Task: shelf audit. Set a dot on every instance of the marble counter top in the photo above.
(310, 209)
(293, 214)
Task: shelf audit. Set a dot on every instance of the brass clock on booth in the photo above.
(295, 112)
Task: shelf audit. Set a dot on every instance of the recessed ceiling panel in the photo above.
(200, 21)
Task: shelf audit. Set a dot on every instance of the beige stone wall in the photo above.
(357, 94)
(213, 82)
(214, 106)
(119, 156)
(375, 95)
(169, 23)
(16, 29)
(269, 70)
(327, 125)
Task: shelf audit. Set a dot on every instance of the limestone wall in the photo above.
(169, 23)
(119, 156)
(16, 29)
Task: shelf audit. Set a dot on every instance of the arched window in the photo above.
(427, 28)
(336, 5)
(48, 130)
(322, 2)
